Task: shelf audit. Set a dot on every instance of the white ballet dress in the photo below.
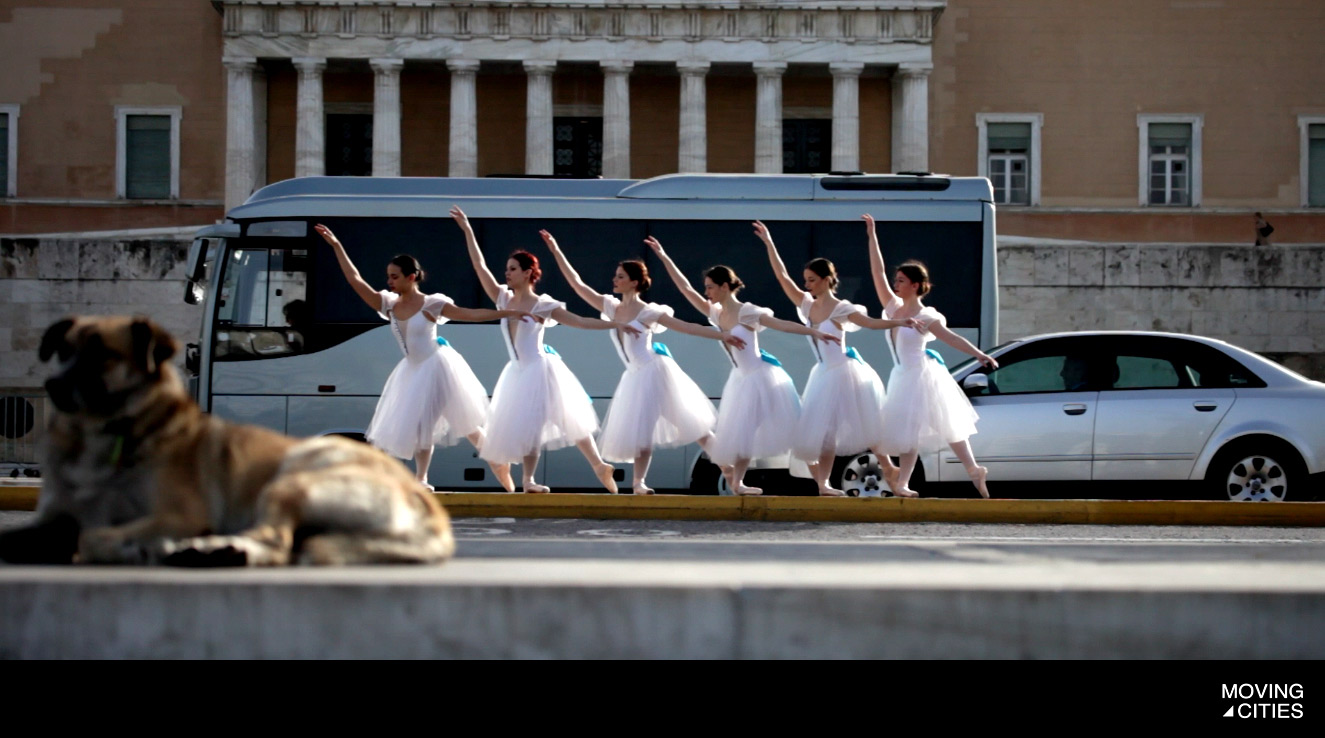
(432, 396)
(760, 408)
(842, 406)
(538, 402)
(925, 409)
(656, 404)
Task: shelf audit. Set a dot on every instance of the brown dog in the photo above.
(134, 472)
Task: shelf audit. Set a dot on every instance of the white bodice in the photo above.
(636, 351)
(827, 353)
(416, 335)
(747, 329)
(908, 344)
(527, 344)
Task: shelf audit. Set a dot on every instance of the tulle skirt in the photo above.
(757, 416)
(925, 410)
(436, 401)
(841, 411)
(536, 404)
(655, 405)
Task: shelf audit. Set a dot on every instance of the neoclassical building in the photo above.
(1124, 121)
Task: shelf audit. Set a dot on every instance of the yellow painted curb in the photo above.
(840, 510)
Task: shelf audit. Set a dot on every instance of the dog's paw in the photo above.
(198, 558)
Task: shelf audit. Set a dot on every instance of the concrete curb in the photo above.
(825, 510)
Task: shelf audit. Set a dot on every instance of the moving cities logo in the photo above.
(1264, 700)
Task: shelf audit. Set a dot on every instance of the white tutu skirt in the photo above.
(436, 401)
(925, 410)
(656, 405)
(757, 416)
(841, 411)
(536, 404)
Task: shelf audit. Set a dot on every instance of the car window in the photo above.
(1146, 372)
(1044, 366)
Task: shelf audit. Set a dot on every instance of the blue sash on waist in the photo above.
(549, 350)
(771, 359)
(935, 356)
(442, 341)
(661, 349)
(852, 353)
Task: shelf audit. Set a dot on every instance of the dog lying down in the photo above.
(135, 473)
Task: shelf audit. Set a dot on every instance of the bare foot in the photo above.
(978, 476)
(427, 486)
(905, 492)
(605, 475)
(533, 488)
(826, 491)
(643, 489)
(890, 474)
(747, 491)
(503, 474)
(727, 472)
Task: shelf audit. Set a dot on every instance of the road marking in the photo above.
(628, 533)
(1067, 539)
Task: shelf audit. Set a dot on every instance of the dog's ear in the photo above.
(54, 338)
(151, 344)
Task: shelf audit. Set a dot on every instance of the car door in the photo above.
(1037, 417)
(1166, 397)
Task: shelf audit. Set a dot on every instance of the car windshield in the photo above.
(961, 366)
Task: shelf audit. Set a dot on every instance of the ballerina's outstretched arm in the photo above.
(564, 316)
(595, 299)
(883, 324)
(794, 293)
(786, 326)
(881, 285)
(681, 326)
(944, 334)
(485, 278)
(361, 286)
(694, 298)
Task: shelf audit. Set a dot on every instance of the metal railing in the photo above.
(22, 425)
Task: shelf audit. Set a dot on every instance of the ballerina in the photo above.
(538, 403)
(760, 408)
(842, 405)
(655, 404)
(432, 396)
(924, 409)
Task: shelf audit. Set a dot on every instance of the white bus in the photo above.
(286, 344)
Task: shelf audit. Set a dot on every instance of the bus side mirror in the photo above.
(195, 271)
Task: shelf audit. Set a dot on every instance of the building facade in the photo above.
(1132, 120)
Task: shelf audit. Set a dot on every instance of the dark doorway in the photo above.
(807, 145)
(350, 145)
(577, 147)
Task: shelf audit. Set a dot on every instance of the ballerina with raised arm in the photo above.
(538, 403)
(655, 404)
(925, 408)
(760, 408)
(432, 396)
(842, 405)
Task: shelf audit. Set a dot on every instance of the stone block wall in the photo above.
(43, 280)
(1268, 299)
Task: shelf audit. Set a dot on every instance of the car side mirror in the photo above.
(976, 384)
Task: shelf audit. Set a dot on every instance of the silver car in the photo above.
(1157, 407)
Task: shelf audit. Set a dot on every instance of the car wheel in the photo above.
(1257, 471)
(861, 475)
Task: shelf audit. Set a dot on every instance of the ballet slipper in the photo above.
(642, 489)
(891, 475)
(978, 477)
(533, 488)
(745, 491)
(905, 492)
(605, 475)
(503, 474)
(826, 491)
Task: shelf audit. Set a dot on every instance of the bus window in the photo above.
(263, 308)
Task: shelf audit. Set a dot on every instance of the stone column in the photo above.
(616, 119)
(846, 115)
(464, 118)
(310, 156)
(538, 117)
(692, 155)
(240, 143)
(768, 117)
(911, 118)
(386, 116)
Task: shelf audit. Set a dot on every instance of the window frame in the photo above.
(11, 146)
(1304, 123)
(982, 121)
(122, 113)
(1194, 168)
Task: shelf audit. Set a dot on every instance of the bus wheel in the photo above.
(707, 479)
